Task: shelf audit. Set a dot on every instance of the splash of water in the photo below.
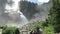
(12, 8)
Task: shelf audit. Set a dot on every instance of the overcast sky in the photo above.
(39, 1)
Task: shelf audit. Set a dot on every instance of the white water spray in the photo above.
(12, 8)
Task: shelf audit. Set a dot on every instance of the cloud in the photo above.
(43, 1)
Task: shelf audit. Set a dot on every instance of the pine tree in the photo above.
(54, 15)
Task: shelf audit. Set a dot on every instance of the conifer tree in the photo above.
(54, 15)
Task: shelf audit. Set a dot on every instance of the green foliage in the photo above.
(49, 30)
(17, 31)
(47, 27)
(9, 30)
(28, 8)
(45, 23)
(35, 26)
(54, 15)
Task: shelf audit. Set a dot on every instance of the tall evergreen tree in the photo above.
(54, 15)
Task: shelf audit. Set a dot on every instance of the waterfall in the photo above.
(12, 8)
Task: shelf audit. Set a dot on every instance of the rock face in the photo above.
(43, 12)
(43, 9)
(39, 16)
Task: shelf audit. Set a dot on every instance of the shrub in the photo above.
(49, 29)
(10, 30)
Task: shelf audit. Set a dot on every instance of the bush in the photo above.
(49, 30)
(10, 30)
(36, 25)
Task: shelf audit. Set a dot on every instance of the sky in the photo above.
(39, 1)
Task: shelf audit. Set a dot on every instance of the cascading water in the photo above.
(12, 8)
